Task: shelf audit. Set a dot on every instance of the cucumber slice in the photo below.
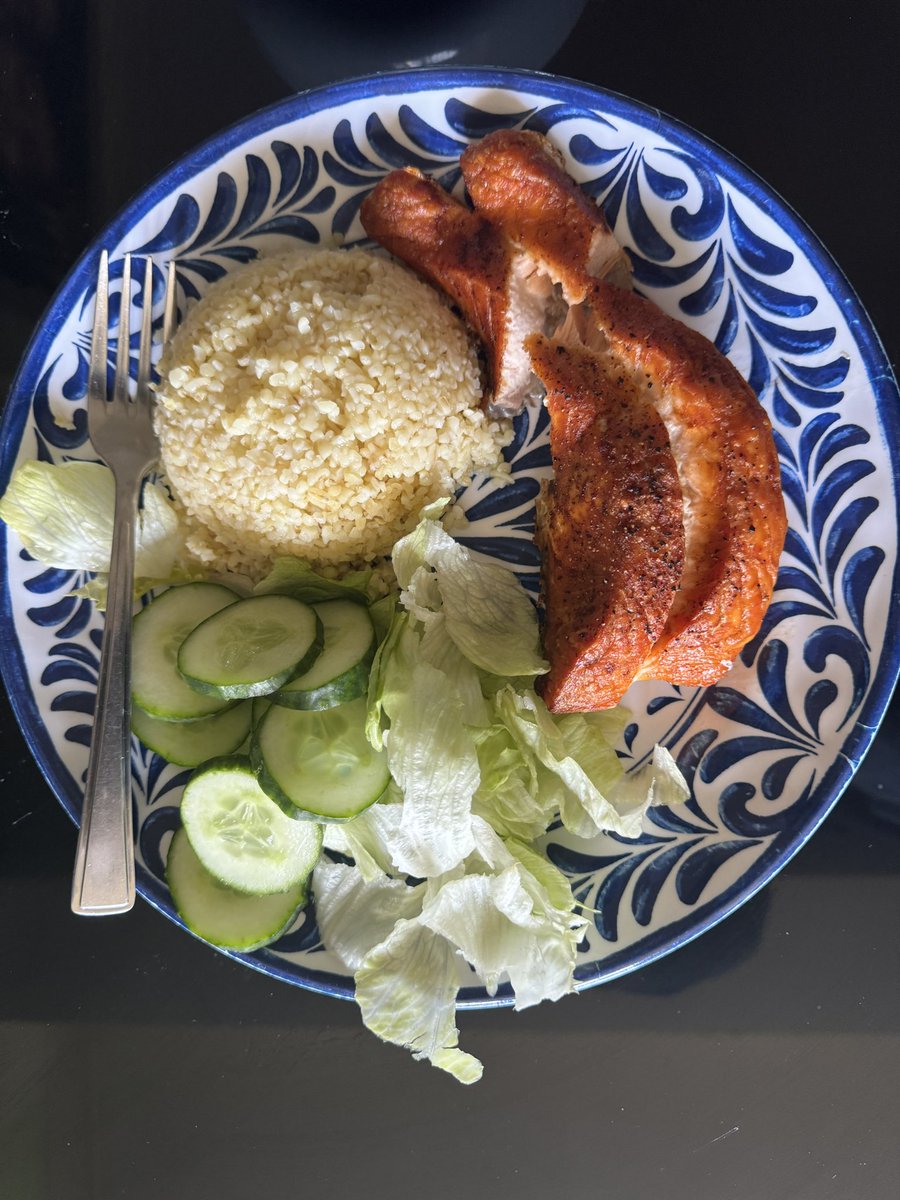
(190, 743)
(158, 631)
(241, 837)
(319, 762)
(251, 650)
(221, 915)
(341, 672)
(260, 706)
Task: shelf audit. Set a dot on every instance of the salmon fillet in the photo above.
(720, 435)
(609, 528)
(734, 516)
(533, 237)
(465, 255)
(519, 180)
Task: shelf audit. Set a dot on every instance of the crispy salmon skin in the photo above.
(517, 178)
(610, 528)
(734, 516)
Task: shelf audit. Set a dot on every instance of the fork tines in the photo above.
(97, 379)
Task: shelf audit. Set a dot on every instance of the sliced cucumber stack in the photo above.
(241, 836)
(341, 672)
(190, 743)
(158, 632)
(251, 649)
(219, 914)
(319, 762)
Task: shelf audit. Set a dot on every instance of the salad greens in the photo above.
(63, 514)
(292, 577)
(480, 769)
(446, 867)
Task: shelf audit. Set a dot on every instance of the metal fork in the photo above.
(121, 430)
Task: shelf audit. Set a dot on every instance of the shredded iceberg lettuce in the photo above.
(487, 612)
(432, 758)
(293, 577)
(450, 875)
(63, 515)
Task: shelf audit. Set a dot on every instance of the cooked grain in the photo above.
(311, 404)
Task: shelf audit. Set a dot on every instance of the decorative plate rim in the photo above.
(873, 357)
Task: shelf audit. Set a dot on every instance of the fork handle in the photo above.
(103, 880)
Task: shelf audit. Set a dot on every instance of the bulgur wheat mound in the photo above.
(311, 404)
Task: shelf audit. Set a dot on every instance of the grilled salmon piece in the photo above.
(720, 435)
(465, 255)
(734, 516)
(519, 180)
(534, 229)
(609, 528)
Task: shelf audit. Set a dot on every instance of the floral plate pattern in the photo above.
(769, 749)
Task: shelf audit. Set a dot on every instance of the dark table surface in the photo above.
(760, 1062)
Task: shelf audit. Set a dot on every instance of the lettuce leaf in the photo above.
(659, 782)
(509, 795)
(356, 914)
(294, 577)
(507, 910)
(439, 650)
(554, 885)
(406, 990)
(418, 547)
(487, 611)
(367, 839)
(489, 614)
(501, 926)
(584, 808)
(433, 759)
(63, 515)
(379, 674)
(382, 614)
(406, 977)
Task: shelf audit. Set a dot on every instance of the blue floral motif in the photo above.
(766, 750)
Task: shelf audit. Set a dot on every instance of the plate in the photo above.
(769, 749)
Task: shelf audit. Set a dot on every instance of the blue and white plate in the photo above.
(769, 749)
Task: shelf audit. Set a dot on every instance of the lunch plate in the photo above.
(769, 749)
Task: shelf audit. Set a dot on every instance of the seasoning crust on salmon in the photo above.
(721, 437)
(735, 522)
(519, 180)
(609, 528)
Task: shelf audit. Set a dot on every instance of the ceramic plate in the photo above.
(769, 749)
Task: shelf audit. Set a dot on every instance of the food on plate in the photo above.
(734, 516)
(241, 836)
(191, 743)
(157, 686)
(399, 759)
(721, 438)
(503, 291)
(425, 773)
(341, 672)
(224, 916)
(718, 434)
(609, 528)
(251, 648)
(318, 762)
(462, 253)
(310, 404)
(518, 180)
